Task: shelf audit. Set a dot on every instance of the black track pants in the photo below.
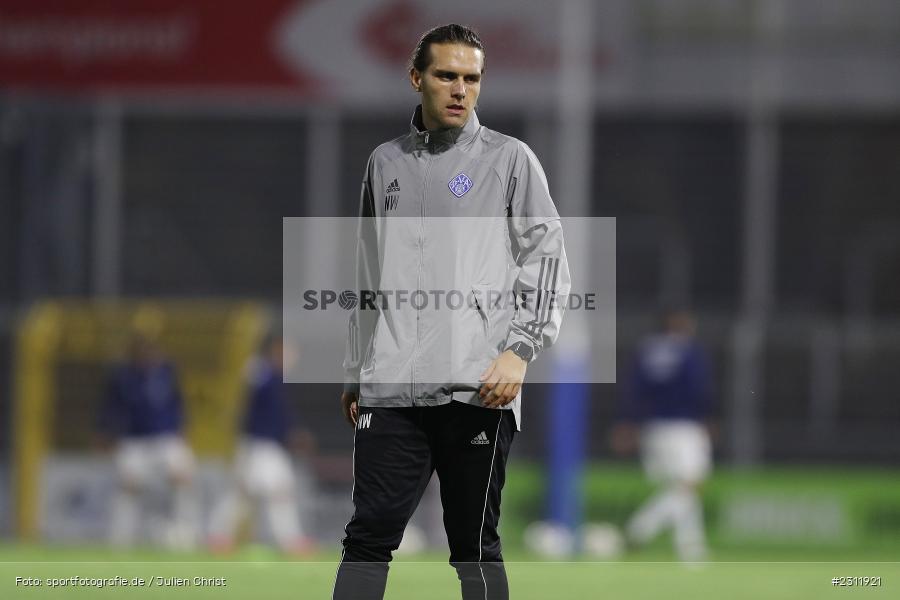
(396, 450)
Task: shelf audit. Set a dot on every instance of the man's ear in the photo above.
(415, 79)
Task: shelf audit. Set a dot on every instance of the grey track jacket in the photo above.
(460, 254)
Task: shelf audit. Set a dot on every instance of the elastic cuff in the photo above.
(516, 336)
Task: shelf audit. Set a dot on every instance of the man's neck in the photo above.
(430, 125)
(423, 123)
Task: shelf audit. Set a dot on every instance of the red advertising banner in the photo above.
(135, 45)
(354, 52)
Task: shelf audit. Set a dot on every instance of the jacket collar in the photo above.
(442, 137)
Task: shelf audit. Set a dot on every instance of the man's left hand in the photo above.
(502, 380)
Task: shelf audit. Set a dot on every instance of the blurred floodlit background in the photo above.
(748, 149)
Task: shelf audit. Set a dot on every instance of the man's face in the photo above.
(450, 85)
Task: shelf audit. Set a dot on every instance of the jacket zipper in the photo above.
(421, 242)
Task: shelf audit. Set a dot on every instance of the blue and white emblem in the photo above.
(460, 184)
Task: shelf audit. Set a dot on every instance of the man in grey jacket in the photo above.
(462, 279)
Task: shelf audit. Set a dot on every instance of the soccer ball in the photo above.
(602, 540)
(549, 539)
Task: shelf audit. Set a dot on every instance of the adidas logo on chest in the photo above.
(391, 195)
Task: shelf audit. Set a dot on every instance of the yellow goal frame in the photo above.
(210, 342)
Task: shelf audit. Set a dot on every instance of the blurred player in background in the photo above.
(264, 472)
(667, 405)
(142, 416)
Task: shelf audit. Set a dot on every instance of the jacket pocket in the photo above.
(481, 304)
(368, 364)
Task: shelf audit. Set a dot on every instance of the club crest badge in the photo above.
(460, 184)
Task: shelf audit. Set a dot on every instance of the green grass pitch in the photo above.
(258, 574)
(738, 569)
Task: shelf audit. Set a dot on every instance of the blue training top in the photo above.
(670, 379)
(142, 401)
(267, 415)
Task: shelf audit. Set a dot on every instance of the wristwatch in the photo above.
(523, 351)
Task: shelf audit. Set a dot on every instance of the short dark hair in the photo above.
(444, 34)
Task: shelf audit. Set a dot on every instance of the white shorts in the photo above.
(264, 468)
(676, 451)
(144, 461)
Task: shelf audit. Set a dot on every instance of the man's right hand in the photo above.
(350, 406)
